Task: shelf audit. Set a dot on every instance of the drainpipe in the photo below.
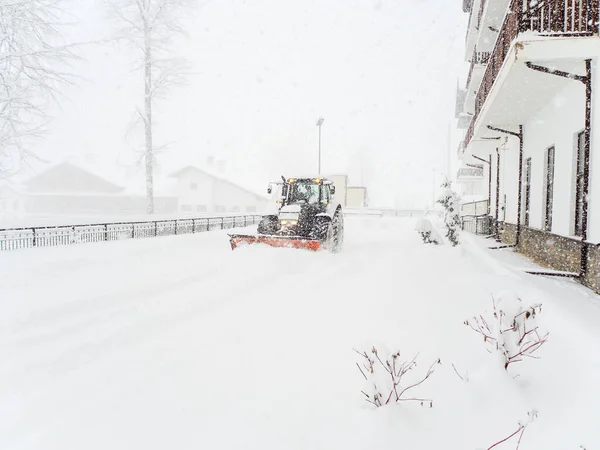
(587, 81)
(518, 135)
(490, 185)
(520, 195)
(583, 269)
(497, 231)
(489, 163)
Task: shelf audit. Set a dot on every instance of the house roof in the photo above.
(80, 177)
(127, 179)
(180, 172)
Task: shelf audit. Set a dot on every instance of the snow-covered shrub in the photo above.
(510, 329)
(450, 201)
(425, 229)
(522, 426)
(386, 380)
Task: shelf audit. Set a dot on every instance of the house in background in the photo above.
(199, 191)
(349, 196)
(68, 189)
(357, 197)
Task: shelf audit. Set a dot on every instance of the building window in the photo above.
(549, 192)
(186, 208)
(250, 208)
(201, 208)
(527, 190)
(235, 209)
(219, 208)
(579, 181)
(193, 186)
(325, 194)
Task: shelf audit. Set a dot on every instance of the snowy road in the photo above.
(180, 343)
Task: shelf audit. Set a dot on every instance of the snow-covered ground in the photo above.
(180, 343)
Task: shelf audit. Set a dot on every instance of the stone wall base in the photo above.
(554, 252)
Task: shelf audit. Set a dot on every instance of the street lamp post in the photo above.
(319, 123)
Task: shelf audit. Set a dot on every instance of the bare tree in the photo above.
(32, 59)
(152, 26)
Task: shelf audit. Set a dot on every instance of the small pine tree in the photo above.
(449, 200)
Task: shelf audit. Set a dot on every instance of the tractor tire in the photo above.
(321, 229)
(268, 225)
(337, 226)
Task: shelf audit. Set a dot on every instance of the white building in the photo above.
(349, 196)
(200, 191)
(70, 190)
(531, 110)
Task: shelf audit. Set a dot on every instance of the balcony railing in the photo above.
(469, 172)
(547, 17)
(478, 58)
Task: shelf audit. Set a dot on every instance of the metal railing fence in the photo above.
(49, 236)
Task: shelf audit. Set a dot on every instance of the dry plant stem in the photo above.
(521, 430)
(396, 372)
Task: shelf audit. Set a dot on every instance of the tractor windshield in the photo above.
(304, 192)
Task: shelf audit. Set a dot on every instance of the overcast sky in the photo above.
(381, 72)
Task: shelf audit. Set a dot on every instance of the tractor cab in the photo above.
(316, 192)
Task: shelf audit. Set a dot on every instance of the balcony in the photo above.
(552, 18)
(469, 172)
(478, 59)
(460, 151)
(460, 102)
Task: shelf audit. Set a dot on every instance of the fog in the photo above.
(260, 73)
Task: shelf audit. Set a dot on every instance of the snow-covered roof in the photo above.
(109, 170)
(126, 179)
(219, 177)
(67, 177)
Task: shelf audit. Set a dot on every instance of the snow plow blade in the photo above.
(238, 240)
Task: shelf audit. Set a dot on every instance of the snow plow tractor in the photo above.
(307, 217)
